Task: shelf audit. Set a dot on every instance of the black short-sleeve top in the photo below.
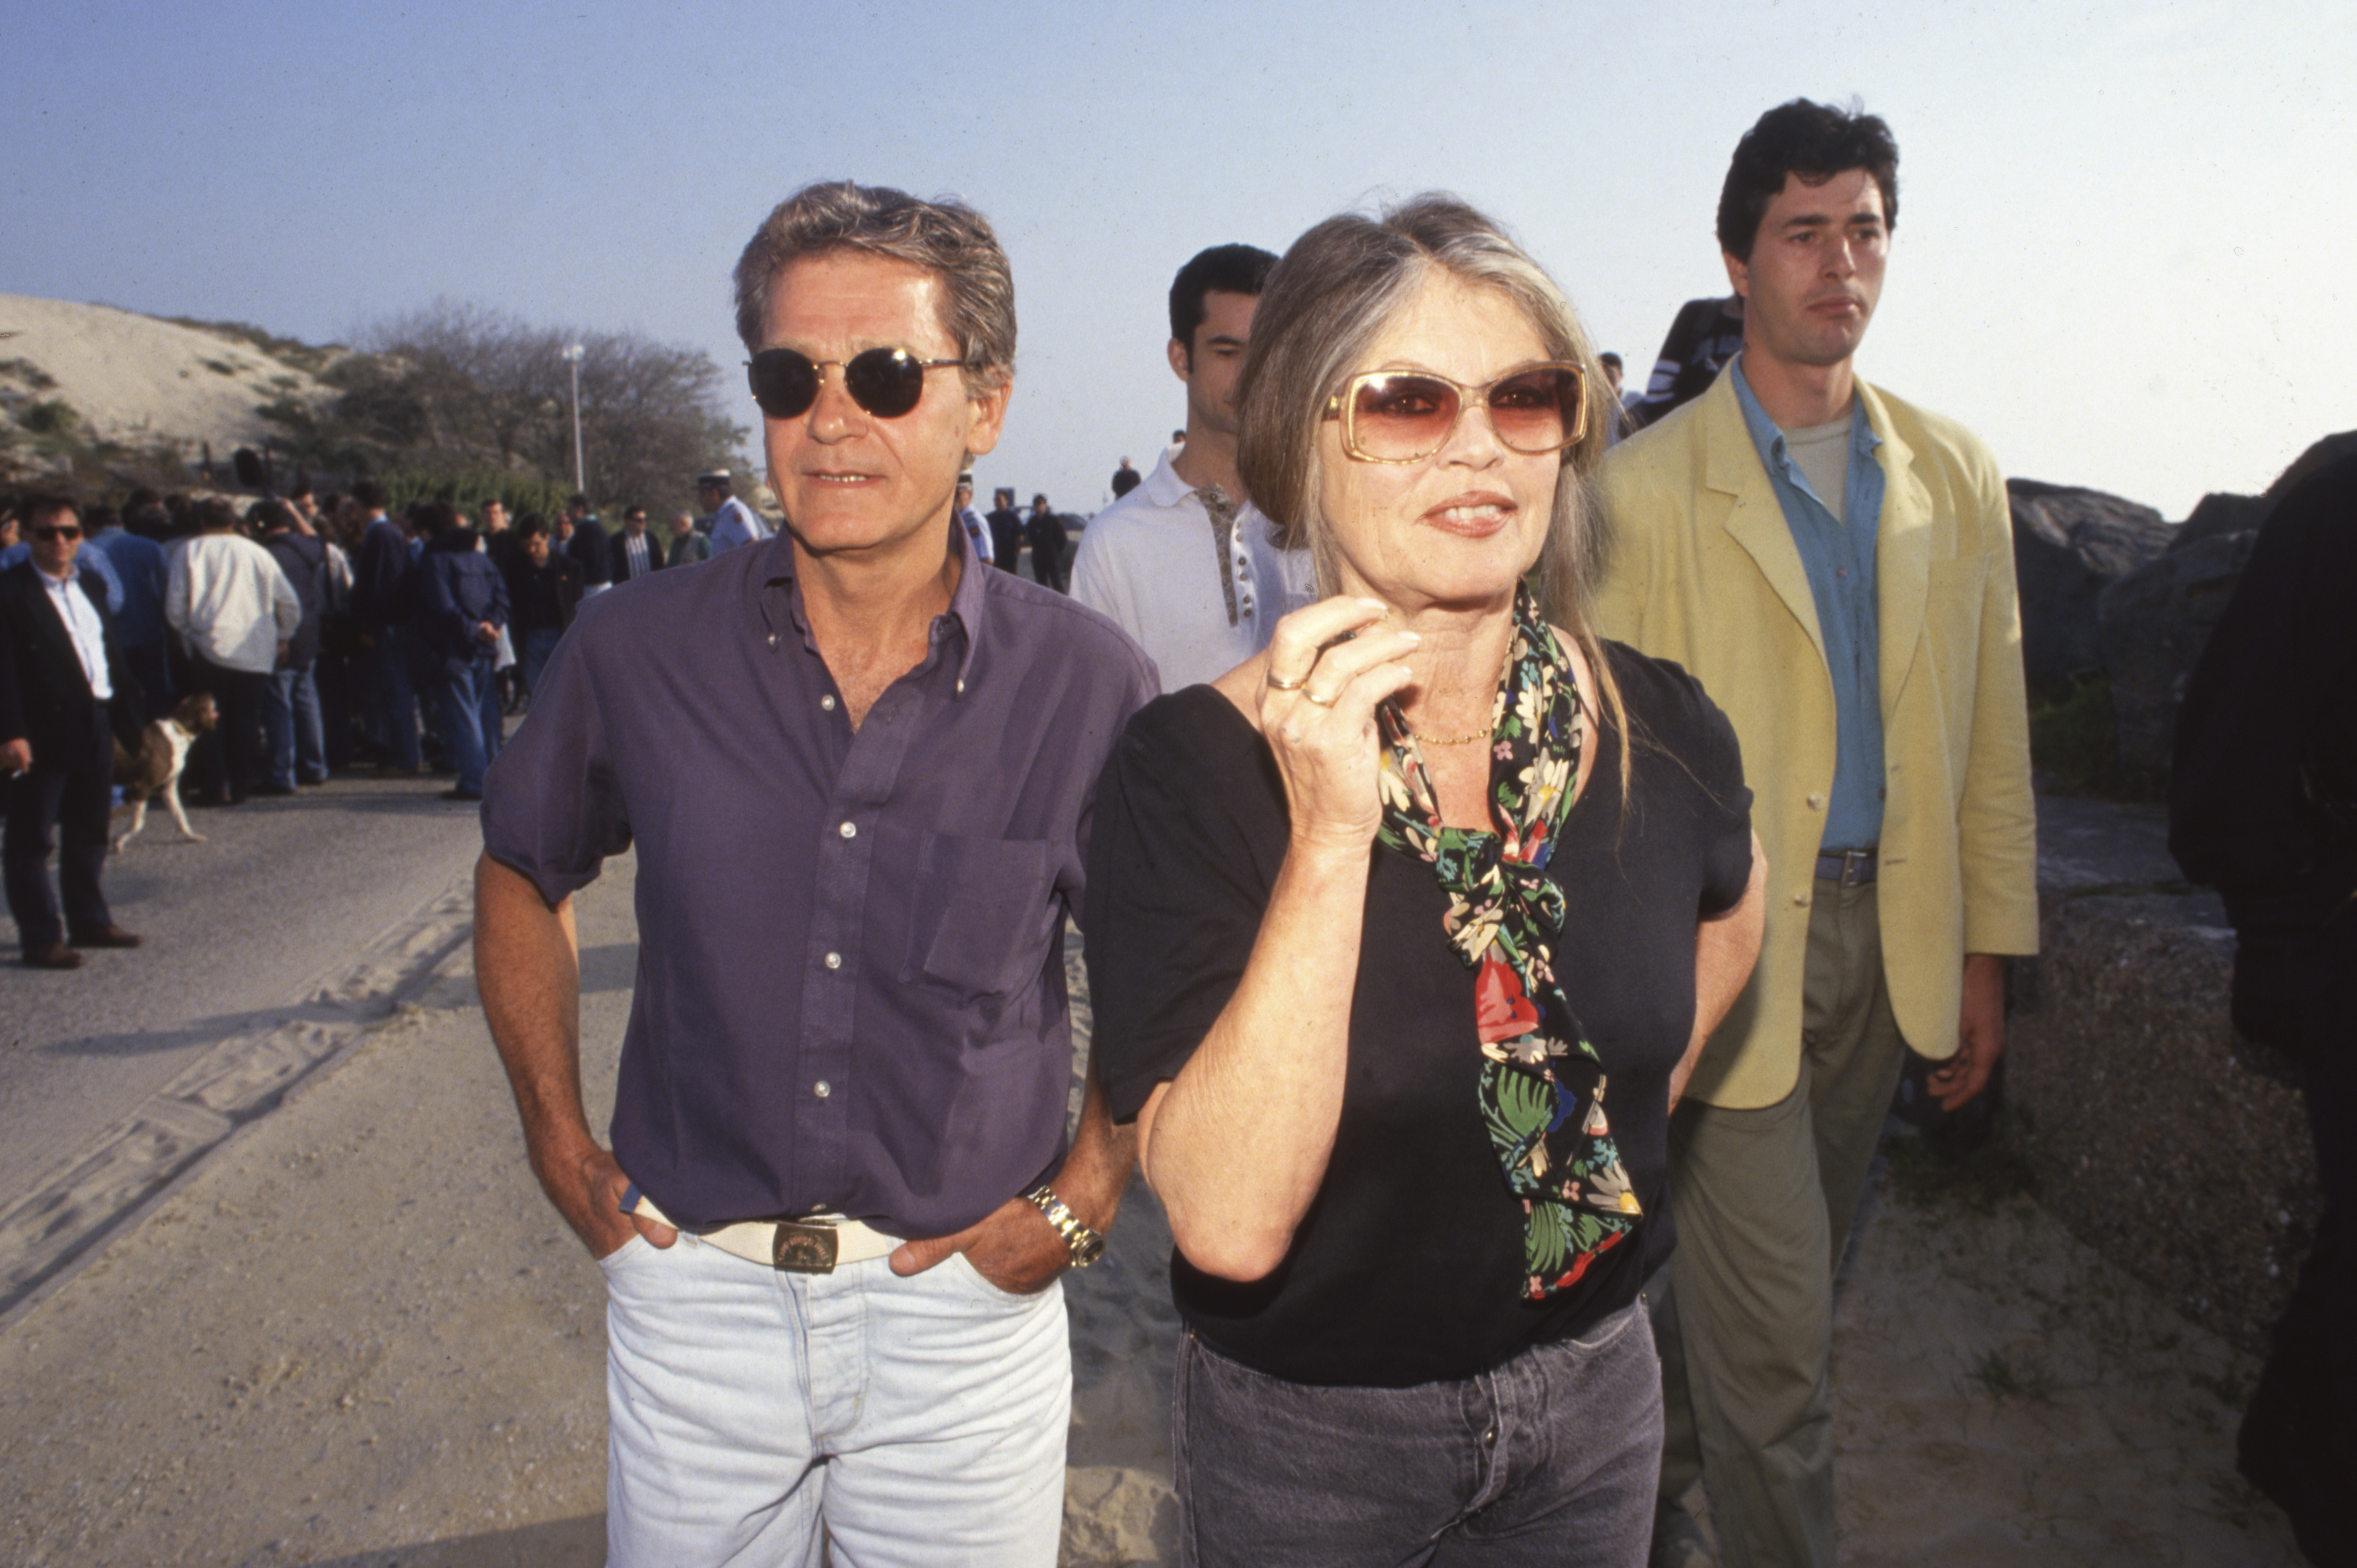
(1409, 1265)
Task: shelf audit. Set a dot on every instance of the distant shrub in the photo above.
(2074, 742)
(50, 416)
(31, 375)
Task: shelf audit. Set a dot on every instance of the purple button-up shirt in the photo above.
(850, 991)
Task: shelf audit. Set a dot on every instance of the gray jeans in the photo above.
(1551, 1458)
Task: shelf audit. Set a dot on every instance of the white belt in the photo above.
(813, 1246)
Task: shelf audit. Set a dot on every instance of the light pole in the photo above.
(572, 357)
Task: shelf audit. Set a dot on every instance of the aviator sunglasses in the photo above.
(1405, 416)
(887, 383)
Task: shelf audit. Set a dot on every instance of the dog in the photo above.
(154, 769)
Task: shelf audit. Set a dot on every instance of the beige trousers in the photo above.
(1763, 1200)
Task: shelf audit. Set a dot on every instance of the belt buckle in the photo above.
(802, 1248)
(1853, 862)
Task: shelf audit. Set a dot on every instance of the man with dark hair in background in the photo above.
(61, 677)
(585, 541)
(463, 606)
(544, 591)
(636, 551)
(385, 611)
(1126, 478)
(291, 722)
(1184, 564)
(857, 794)
(236, 612)
(128, 547)
(1835, 567)
(1007, 531)
(1044, 531)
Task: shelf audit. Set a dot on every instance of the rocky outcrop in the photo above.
(2152, 625)
(2068, 543)
(2175, 1148)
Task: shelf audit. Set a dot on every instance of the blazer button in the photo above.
(1816, 802)
(1800, 899)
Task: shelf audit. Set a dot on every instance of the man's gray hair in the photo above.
(945, 237)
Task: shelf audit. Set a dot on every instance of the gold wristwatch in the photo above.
(1085, 1245)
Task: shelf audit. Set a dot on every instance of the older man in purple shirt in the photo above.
(857, 768)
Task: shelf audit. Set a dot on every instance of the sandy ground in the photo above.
(136, 379)
(356, 1336)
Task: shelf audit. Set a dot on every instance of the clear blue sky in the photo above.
(2123, 255)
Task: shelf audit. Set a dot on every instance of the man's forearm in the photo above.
(528, 971)
(1096, 1172)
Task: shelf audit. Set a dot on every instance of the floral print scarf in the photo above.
(1541, 1086)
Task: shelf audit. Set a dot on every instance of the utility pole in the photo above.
(572, 357)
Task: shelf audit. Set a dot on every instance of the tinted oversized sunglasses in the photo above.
(1405, 416)
(887, 383)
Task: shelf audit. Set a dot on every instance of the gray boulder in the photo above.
(2068, 543)
(2152, 625)
(2220, 512)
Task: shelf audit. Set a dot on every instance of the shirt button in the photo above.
(1816, 802)
(827, 702)
(1489, 1438)
(850, 829)
(822, 1089)
(834, 960)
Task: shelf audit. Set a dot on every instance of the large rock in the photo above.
(2068, 542)
(2220, 512)
(2151, 625)
(2159, 1137)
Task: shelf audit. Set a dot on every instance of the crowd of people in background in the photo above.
(336, 632)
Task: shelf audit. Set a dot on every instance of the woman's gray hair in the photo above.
(945, 237)
(1333, 294)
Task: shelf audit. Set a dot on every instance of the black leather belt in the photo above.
(1849, 867)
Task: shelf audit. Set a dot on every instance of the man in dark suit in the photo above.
(588, 544)
(636, 551)
(59, 672)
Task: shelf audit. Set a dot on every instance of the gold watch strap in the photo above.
(1085, 1245)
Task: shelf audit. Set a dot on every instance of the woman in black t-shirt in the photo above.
(1403, 935)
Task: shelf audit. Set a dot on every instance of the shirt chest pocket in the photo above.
(981, 905)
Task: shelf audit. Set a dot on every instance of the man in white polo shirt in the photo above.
(1183, 563)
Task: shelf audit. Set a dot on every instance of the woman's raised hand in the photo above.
(1328, 665)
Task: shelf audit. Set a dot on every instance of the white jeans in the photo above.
(922, 1420)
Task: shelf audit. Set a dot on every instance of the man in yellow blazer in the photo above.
(1836, 567)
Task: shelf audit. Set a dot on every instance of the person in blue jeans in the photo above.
(463, 607)
(290, 704)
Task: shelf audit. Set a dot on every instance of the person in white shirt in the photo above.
(961, 509)
(235, 610)
(1183, 563)
(732, 523)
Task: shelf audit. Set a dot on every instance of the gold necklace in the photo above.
(1417, 734)
(1467, 739)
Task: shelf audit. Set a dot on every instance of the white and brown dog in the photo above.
(155, 769)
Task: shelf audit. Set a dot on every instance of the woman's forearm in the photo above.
(1236, 1144)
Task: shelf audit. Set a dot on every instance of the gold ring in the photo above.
(1321, 702)
(1276, 685)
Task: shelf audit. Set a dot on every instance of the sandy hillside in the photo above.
(136, 380)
